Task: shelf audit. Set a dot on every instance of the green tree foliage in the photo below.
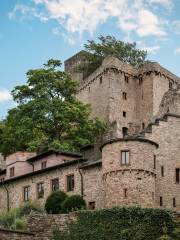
(73, 203)
(95, 52)
(120, 224)
(47, 114)
(54, 202)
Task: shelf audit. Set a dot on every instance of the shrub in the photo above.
(54, 202)
(121, 224)
(28, 207)
(19, 224)
(73, 203)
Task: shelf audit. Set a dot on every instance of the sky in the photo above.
(33, 31)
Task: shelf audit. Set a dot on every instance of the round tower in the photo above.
(129, 172)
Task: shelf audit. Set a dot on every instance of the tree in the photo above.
(73, 203)
(95, 52)
(48, 115)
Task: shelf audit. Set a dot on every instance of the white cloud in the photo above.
(177, 51)
(5, 95)
(78, 16)
(152, 49)
(176, 26)
(165, 3)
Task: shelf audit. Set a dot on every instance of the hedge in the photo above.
(120, 224)
(73, 203)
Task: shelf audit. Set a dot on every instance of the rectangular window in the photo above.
(26, 193)
(124, 114)
(177, 175)
(43, 165)
(40, 190)
(174, 202)
(124, 95)
(140, 80)
(170, 84)
(12, 172)
(92, 205)
(154, 161)
(100, 80)
(161, 201)
(70, 183)
(126, 79)
(55, 184)
(125, 192)
(124, 157)
(162, 171)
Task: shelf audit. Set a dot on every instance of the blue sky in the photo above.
(32, 31)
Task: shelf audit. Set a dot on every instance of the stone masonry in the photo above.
(135, 163)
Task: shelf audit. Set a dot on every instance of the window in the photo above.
(177, 175)
(124, 131)
(100, 80)
(125, 192)
(26, 193)
(125, 157)
(43, 165)
(40, 190)
(154, 161)
(162, 171)
(2, 179)
(174, 202)
(152, 195)
(55, 184)
(170, 84)
(143, 125)
(140, 80)
(70, 183)
(124, 95)
(161, 201)
(126, 79)
(92, 205)
(12, 172)
(124, 114)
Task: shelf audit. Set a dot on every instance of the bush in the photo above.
(73, 203)
(54, 202)
(15, 218)
(121, 224)
(28, 207)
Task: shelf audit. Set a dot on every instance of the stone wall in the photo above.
(131, 184)
(15, 235)
(43, 226)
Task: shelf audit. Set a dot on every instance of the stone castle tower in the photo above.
(140, 155)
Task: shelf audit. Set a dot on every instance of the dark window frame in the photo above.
(162, 171)
(177, 175)
(54, 184)
(12, 172)
(124, 95)
(43, 164)
(124, 114)
(161, 201)
(26, 193)
(70, 183)
(40, 190)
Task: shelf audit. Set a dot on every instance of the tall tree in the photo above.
(48, 115)
(95, 52)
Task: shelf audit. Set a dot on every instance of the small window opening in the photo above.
(126, 79)
(174, 202)
(162, 171)
(100, 80)
(143, 126)
(154, 161)
(124, 131)
(161, 201)
(92, 205)
(125, 157)
(177, 175)
(125, 192)
(124, 95)
(124, 114)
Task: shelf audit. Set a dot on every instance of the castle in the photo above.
(136, 163)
